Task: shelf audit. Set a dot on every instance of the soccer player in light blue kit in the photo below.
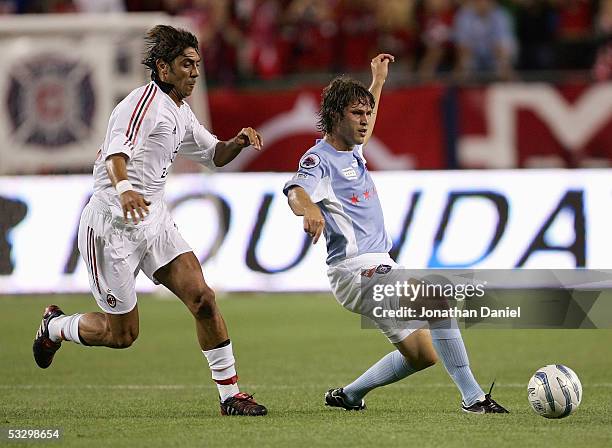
(336, 195)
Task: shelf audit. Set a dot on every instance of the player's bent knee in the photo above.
(123, 340)
(430, 359)
(423, 363)
(204, 305)
(425, 360)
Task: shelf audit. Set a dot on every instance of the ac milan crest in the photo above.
(111, 300)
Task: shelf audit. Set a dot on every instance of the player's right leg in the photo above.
(414, 353)
(183, 276)
(414, 349)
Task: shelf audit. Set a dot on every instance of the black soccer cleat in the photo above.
(242, 404)
(486, 406)
(44, 348)
(336, 398)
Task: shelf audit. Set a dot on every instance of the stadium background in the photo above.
(487, 169)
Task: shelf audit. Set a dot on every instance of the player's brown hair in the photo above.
(339, 94)
(166, 43)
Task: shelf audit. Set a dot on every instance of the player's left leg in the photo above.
(414, 353)
(449, 345)
(111, 278)
(183, 276)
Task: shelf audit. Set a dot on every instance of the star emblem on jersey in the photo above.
(367, 195)
(310, 161)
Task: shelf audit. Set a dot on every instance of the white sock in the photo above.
(227, 390)
(66, 328)
(391, 368)
(222, 367)
(447, 341)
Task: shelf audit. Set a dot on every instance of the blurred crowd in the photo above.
(269, 39)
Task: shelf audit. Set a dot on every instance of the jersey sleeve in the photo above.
(132, 121)
(199, 144)
(310, 176)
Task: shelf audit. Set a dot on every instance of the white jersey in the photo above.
(150, 129)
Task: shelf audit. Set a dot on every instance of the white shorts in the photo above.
(115, 252)
(345, 279)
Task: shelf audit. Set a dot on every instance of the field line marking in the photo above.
(245, 385)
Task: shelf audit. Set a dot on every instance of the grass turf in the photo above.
(290, 349)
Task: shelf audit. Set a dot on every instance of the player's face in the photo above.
(353, 127)
(184, 72)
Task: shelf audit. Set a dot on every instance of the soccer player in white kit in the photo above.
(336, 195)
(126, 226)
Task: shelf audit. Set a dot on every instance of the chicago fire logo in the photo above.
(383, 269)
(51, 101)
(310, 161)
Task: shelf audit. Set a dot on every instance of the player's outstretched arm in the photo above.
(302, 205)
(380, 69)
(132, 203)
(227, 151)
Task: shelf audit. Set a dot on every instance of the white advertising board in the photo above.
(241, 228)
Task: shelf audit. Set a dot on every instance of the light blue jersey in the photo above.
(340, 184)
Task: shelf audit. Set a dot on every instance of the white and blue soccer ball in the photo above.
(554, 391)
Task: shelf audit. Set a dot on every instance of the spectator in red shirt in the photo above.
(575, 49)
(310, 32)
(219, 36)
(358, 36)
(263, 43)
(396, 27)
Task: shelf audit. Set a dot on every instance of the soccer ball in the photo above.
(554, 391)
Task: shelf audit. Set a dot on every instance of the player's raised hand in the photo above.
(249, 137)
(380, 66)
(134, 205)
(314, 223)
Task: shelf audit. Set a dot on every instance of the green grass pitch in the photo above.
(290, 349)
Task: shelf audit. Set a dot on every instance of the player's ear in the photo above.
(336, 117)
(162, 68)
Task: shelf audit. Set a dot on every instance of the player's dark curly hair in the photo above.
(340, 93)
(166, 43)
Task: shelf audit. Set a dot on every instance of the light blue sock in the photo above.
(448, 343)
(391, 368)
